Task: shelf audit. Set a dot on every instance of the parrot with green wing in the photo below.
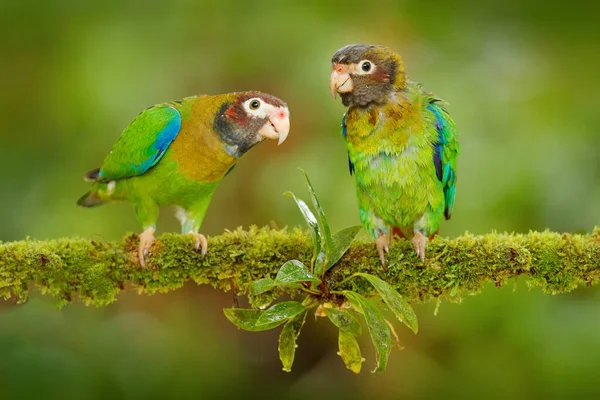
(402, 146)
(177, 153)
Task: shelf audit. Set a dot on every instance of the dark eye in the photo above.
(366, 66)
(254, 104)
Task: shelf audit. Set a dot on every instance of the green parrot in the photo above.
(177, 153)
(402, 146)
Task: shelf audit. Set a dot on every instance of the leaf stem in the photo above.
(310, 291)
(343, 281)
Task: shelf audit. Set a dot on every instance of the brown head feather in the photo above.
(375, 87)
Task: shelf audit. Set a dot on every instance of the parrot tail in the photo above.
(92, 176)
(90, 199)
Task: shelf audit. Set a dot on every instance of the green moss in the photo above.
(96, 271)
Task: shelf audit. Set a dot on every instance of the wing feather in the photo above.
(344, 132)
(445, 153)
(142, 144)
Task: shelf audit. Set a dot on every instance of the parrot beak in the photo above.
(278, 125)
(340, 80)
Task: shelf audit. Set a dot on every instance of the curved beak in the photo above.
(278, 124)
(340, 80)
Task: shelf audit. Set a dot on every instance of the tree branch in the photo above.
(96, 271)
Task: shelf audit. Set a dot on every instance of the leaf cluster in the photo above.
(341, 307)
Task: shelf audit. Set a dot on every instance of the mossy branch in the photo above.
(96, 271)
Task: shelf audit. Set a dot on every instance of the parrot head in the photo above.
(363, 74)
(248, 118)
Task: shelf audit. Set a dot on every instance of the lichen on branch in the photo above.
(95, 271)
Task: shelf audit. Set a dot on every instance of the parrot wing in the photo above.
(142, 143)
(445, 152)
(344, 131)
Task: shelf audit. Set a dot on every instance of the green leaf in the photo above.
(324, 230)
(350, 351)
(311, 221)
(278, 313)
(294, 271)
(261, 286)
(287, 340)
(321, 218)
(262, 300)
(246, 319)
(394, 301)
(320, 262)
(378, 327)
(293, 285)
(344, 320)
(341, 243)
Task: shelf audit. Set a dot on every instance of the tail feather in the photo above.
(90, 199)
(92, 176)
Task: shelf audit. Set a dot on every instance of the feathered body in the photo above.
(176, 154)
(401, 143)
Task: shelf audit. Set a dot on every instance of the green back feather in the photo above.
(142, 143)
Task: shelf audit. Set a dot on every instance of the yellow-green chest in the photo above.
(389, 129)
(391, 150)
(198, 150)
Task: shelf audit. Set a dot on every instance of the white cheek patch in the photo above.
(268, 110)
(356, 69)
(264, 109)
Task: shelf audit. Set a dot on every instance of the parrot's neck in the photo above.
(236, 142)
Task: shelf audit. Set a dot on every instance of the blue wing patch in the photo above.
(162, 143)
(142, 144)
(444, 148)
(344, 132)
(437, 160)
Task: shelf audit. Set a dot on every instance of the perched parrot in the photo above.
(402, 146)
(176, 153)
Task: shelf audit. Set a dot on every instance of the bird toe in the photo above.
(200, 243)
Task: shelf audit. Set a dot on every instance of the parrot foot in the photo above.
(146, 240)
(201, 242)
(420, 241)
(383, 246)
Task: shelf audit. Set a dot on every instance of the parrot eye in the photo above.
(256, 107)
(365, 67)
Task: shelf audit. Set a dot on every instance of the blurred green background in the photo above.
(521, 78)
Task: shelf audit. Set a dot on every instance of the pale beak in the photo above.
(278, 125)
(340, 80)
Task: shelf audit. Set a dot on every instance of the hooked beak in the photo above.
(278, 125)
(340, 80)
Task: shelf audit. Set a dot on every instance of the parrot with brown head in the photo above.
(402, 146)
(176, 154)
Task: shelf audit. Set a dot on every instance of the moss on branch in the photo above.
(96, 271)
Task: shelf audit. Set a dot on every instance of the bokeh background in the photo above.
(521, 77)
